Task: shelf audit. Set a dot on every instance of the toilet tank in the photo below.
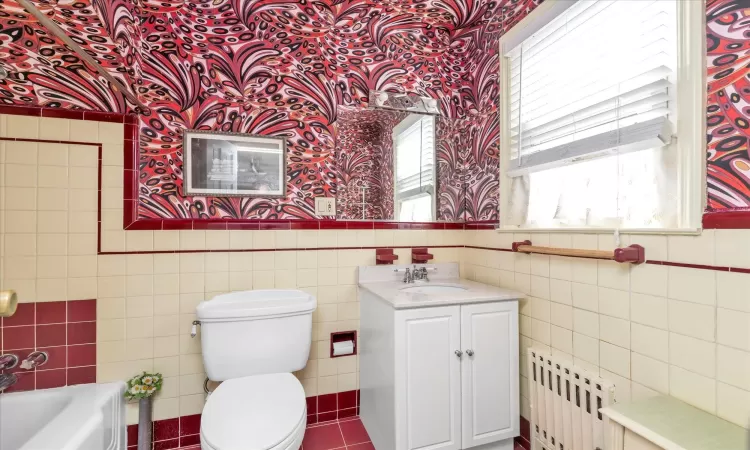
(255, 332)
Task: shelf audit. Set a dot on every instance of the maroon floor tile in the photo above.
(81, 355)
(18, 337)
(81, 333)
(190, 425)
(166, 429)
(46, 379)
(81, 310)
(24, 315)
(365, 446)
(327, 403)
(51, 312)
(324, 437)
(50, 335)
(347, 399)
(81, 375)
(354, 432)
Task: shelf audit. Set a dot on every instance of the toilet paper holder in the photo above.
(341, 337)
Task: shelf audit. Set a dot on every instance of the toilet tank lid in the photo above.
(256, 304)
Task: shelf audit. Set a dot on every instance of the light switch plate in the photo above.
(325, 206)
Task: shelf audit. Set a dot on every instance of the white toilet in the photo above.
(253, 341)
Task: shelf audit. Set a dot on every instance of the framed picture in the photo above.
(234, 164)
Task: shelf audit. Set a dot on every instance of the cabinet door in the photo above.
(428, 385)
(489, 372)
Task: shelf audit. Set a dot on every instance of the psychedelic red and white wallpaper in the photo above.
(284, 68)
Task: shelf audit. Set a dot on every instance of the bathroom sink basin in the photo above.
(433, 289)
(90, 416)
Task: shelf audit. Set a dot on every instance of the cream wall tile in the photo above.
(52, 199)
(110, 308)
(692, 354)
(192, 263)
(586, 322)
(733, 404)
(540, 287)
(692, 320)
(560, 268)
(692, 249)
(561, 339)
(540, 309)
(585, 296)
(649, 341)
(21, 198)
(615, 331)
(166, 240)
(84, 130)
(192, 404)
(166, 304)
(613, 275)
(650, 373)
(21, 222)
(584, 271)
(615, 359)
(216, 262)
(51, 289)
(561, 291)
(264, 279)
(53, 154)
(586, 348)
(217, 239)
(20, 244)
(649, 310)
(242, 239)
(692, 285)
(522, 263)
(240, 262)
(733, 328)
(54, 129)
(649, 279)
(561, 315)
(733, 367)
(733, 290)
(614, 303)
(81, 288)
(139, 241)
(192, 239)
(733, 248)
(692, 388)
(540, 331)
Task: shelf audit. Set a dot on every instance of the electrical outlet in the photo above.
(325, 206)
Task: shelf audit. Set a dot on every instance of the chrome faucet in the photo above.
(8, 361)
(7, 380)
(408, 277)
(420, 274)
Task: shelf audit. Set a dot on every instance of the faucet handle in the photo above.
(8, 361)
(35, 359)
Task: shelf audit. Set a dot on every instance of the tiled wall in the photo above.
(678, 325)
(66, 331)
(147, 283)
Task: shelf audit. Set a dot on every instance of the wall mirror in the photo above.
(387, 160)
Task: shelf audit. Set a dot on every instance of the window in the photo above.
(414, 142)
(602, 116)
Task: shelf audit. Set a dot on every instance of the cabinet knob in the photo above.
(458, 353)
(470, 352)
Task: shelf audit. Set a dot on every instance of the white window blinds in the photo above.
(414, 140)
(596, 80)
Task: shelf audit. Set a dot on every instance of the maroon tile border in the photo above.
(66, 330)
(732, 219)
(185, 431)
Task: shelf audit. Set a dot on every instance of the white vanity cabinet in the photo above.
(439, 377)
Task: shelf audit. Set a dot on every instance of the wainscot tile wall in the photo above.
(678, 324)
(62, 213)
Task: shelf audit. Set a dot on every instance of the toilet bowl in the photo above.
(262, 412)
(252, 341)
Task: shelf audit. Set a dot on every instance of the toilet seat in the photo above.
(262, 412)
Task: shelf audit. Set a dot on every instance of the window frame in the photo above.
(691, 116)
(397, 200)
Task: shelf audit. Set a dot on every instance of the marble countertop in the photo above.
(391, 292)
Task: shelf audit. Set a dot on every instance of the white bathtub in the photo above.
(84, 417)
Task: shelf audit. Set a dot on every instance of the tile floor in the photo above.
(344, 434)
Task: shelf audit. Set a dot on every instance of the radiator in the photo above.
(565, 402)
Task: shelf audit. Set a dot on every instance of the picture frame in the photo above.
(225, 164)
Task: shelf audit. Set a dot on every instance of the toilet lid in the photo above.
(256, 412)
